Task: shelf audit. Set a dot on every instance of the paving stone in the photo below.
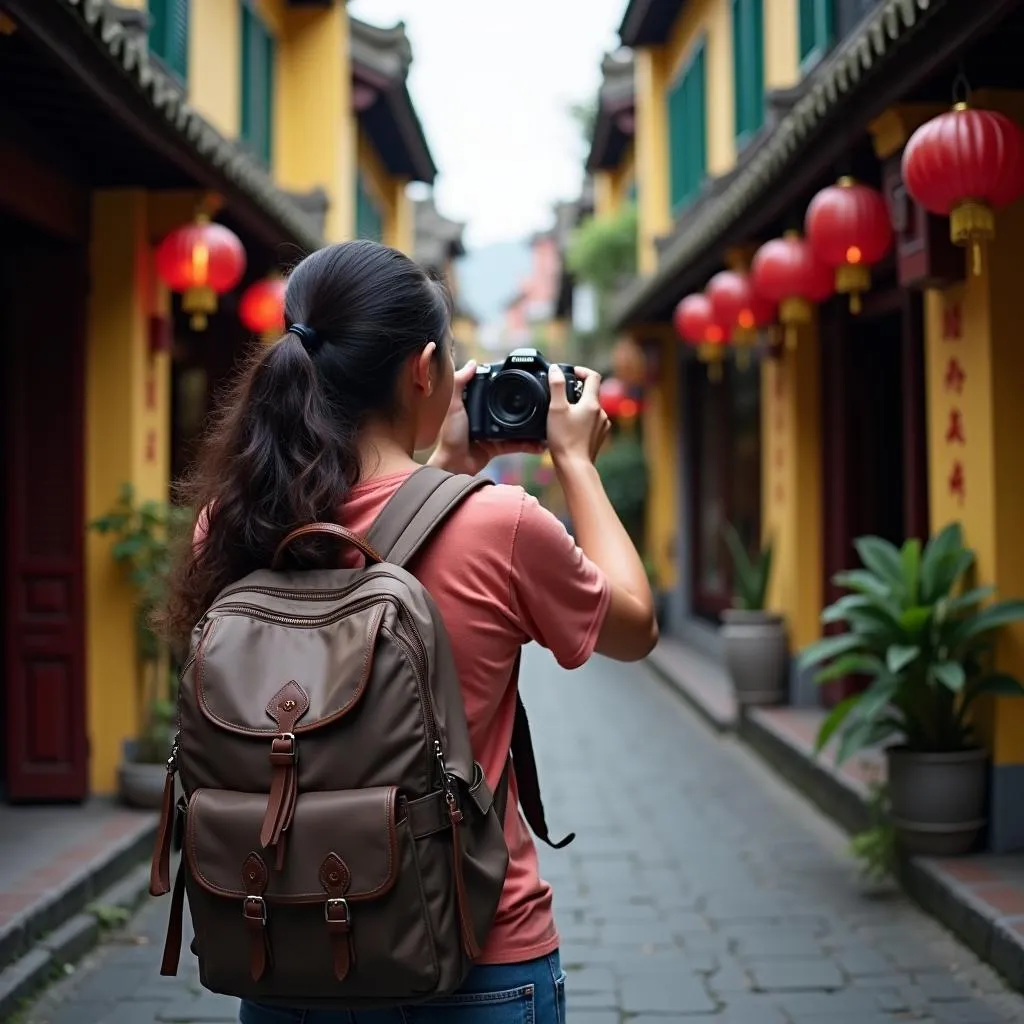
(796, 975)
(666, 992)
(136, 1013)
(201, 1009)
(862, 962)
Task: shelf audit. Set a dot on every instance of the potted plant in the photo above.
(924, 642)
(143, 533)
(754, 639)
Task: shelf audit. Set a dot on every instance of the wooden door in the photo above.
(42, 327)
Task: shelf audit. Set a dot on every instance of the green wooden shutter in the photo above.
(748, 65)
(369, 222)
(815, 29)
(687, 125)
(257, 85)
(168, 34)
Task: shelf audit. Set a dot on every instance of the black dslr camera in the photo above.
(509, 401)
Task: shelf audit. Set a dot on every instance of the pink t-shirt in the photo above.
(503, 571)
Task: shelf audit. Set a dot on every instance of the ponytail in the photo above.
(283, 449)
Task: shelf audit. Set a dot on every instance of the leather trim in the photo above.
(333, 811)
(317, 723)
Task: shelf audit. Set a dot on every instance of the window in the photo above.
(725, 424)
(168, 34)
(257, 85)
(815, 30)
(687, 127)
(369, 223)
(748, 65)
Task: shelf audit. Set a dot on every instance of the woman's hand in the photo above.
(576, 431)
(455, 452)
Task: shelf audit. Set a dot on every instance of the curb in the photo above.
(923, 881)
(831, 792)
(660, 665)
(19, 937)
(68, 943)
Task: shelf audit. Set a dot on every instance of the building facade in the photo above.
(744, 110)
(282, 120)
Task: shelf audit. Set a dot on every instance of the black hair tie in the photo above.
(311, 341)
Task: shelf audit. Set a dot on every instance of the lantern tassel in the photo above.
(976, 258)
(715, 372)
(855, 303)
(791, 338)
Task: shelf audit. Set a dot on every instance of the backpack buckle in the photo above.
(254, 908)
(337, 904)
(284, 750)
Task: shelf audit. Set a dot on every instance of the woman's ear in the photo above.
(424, 369)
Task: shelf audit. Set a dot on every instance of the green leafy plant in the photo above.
(923, 641)
(875, 847)
(603, 250)
(144, 534)
(751, 576)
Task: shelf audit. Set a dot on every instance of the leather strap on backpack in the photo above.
(404, 526)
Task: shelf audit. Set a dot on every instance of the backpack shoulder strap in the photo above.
(524, 763)
(418, 508)
(404, 525)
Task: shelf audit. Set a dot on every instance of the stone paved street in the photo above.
(699, 889)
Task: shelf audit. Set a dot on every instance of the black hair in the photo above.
(283, 448)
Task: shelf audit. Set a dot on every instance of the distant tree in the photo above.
(585, 116)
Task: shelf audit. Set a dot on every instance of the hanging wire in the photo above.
(961, 86)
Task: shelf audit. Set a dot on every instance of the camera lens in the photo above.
(514, 398)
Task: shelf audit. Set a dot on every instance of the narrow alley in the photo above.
(699, 888)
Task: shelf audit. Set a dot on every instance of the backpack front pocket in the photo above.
(344, 918)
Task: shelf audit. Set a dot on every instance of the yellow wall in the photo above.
(781, 43)
(653, 214)
(313, 141)
(313, 109)
(989, 353)
(127, 427)
(791, 485)
(214, 63)
(661, 447)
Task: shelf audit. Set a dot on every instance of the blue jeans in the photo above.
(526, 993)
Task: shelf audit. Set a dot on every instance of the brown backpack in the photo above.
(341, 847)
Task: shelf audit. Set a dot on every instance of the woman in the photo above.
(322, 426)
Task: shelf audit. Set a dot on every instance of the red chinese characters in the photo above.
(955, 376)
(957, 484)
(955, 429)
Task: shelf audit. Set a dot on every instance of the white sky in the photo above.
(492, 84)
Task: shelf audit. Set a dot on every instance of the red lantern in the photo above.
(201, 261)
(965, 164)
(694, 324)
(738, 310)
(611, 396)
(786, 271)
(849, 229)
(261, 308)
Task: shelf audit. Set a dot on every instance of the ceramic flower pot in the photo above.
(937, 800)
(756, 655)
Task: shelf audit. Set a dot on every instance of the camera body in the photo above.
(509, 401)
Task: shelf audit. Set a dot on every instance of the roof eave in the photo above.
(748, 200)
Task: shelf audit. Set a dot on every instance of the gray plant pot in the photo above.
(756, 653)
(937, 800)
(140, 784)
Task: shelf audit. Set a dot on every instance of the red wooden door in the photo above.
(42, 324)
